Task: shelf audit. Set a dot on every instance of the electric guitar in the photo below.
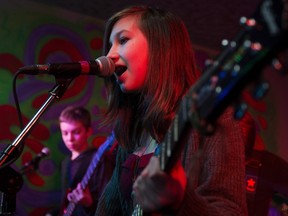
(108, 144)
(263, 36)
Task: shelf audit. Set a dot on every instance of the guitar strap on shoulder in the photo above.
(113, 147)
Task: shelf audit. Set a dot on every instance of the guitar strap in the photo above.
(113, 147)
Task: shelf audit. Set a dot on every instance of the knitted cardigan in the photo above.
(216, 175)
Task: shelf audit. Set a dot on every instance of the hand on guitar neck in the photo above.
(80, 196)
(155, 189)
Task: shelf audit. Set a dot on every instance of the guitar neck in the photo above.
(174, 140)
(85, 180)
(222, 82)
(95, 160)
(91, 169)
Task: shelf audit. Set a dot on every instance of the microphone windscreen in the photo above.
(45, 151)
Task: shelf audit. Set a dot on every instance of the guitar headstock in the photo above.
(241, 61)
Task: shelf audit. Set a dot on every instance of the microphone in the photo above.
(102, 67)
(34, 163)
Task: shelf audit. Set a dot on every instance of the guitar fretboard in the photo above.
(91, 169)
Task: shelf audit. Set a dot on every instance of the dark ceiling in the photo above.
(208, 21)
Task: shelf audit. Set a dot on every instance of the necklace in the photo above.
(149, 148)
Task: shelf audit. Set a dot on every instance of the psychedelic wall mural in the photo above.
(37, 34)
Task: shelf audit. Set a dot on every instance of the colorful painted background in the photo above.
(32, 33)
(37, 34)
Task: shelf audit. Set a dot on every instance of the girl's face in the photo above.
(129, 51)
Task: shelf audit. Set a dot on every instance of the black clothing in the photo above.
(73, 172)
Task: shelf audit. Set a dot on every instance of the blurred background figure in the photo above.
(75, 126)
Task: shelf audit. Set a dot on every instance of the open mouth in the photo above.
(119, 70)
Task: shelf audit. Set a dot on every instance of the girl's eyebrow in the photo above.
(117, 34)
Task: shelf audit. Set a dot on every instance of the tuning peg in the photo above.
(244, 21)
(281, 67)
(260, 90)
(256, 46)
(277, 65)
(208, 62)
(224, 42)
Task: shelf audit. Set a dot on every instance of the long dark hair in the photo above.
(171, 71)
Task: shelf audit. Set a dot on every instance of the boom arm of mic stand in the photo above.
(11, 152)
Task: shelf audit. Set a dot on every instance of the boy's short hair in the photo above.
(76, 113)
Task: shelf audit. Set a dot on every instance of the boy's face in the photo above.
(75, 136)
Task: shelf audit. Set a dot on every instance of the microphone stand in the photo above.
(12, 181)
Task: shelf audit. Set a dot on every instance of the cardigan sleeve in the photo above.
(216, 179)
